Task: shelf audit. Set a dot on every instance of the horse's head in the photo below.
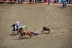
(20, 29)
(13, 25)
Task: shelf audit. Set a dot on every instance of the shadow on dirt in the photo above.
(22, 38)
(13, 34)
(1, 2)
(62, 7)
(44, 33)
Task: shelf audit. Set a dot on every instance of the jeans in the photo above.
(64, 4)
(19, 2)
(48, 1)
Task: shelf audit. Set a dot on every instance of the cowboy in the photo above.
(17, 25)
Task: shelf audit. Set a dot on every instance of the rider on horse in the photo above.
(17, 25)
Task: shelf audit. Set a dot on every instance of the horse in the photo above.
(15, 28)
(46, 29)
(23, 33)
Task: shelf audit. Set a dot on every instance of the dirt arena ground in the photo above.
(35, 16)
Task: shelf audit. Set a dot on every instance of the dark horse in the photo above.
(46, 29)
(23, 33)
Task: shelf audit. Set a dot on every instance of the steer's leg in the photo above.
(48, 31)
(42, 31)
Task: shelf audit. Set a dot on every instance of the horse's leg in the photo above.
(20, 36)
(12, 32)
(24, 33)
(30, 35)
(18, 32)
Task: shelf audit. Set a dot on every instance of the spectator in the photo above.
(30, 1)
(48, 2)
(64, 3)
(19, 2)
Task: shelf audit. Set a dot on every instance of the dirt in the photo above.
(35, 16)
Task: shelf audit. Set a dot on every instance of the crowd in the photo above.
(54, 1)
